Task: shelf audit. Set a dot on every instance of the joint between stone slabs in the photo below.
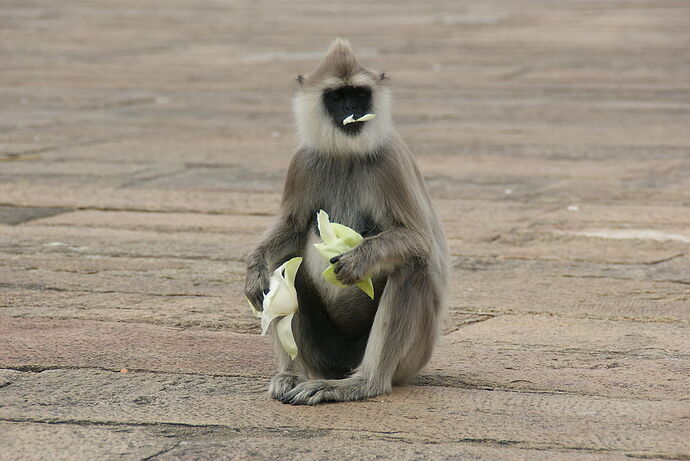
(663, 260)
(497, 313)
(42, 368)
(145, 210)
(521, 445)
(608, 277)
(89, 423)
(68, 290)
(259, 430)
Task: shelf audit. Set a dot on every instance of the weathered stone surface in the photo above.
(143, 149)
(109, 198)
(161, 222)
(583, 356)
(169, 442)
(39, 344)
(38, 441)
(125, 242)
(542, 354)
(310, 445)
(415, 414)
(655, 292)
(16, 215)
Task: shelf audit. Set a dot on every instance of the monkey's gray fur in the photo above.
(352, 347)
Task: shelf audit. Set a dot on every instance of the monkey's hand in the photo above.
(350, 267)
(256, 286)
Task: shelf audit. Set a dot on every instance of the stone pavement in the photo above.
(143, 146)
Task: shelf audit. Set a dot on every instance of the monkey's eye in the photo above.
(334, 96)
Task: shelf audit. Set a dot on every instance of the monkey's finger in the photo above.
(258, 302)
(338, 267)
(335, 259)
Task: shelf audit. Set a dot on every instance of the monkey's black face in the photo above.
(348, 100)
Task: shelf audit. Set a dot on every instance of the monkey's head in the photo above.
(341, 87)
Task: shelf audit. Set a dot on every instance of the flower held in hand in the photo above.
(281, 301)
(339, 239)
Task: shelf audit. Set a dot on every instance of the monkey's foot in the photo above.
(281, 384)
(337, 390)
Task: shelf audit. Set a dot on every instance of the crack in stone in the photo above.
(612, 277)
(162, 452)
(140, 181)
(497, 312)
(13, 215)
(459, 324)
(147, 210)
(564, 260)
(12, 250)
(35, 287)
(663, 260)
(121, 103)
(42, 368)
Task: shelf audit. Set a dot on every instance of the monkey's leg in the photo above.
(400, 343)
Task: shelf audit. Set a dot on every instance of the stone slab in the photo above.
(66, 441)
(24, 441)
(46, 343)
(345, 445)
(583, 356)
(112, 198)
(636, 292)
(542, 354)
(410, 414)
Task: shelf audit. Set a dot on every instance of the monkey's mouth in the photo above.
(363, 118)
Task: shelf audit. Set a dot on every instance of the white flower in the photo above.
(281, 301)
(339, 239)
(363, 118)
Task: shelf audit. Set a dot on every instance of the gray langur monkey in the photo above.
(363, 175)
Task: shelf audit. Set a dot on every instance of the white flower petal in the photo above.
(349, 119)
(366, 118)
(287, 339)
(281, 300)
(325, 229)
(266, 320)
(339, 239)
(291, 270)
(284, 301)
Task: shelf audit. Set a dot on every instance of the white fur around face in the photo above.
(317, 131)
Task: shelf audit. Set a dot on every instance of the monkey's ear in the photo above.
(300, 79)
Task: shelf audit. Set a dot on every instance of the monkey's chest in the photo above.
(349, 309)
(349, 190)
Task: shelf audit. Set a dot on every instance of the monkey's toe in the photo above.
(315, 392)
(281, 384)
(310, 393)
(347, 273)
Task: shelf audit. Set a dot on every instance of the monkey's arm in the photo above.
(381, 253)
(283, 240)
(409, 238)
